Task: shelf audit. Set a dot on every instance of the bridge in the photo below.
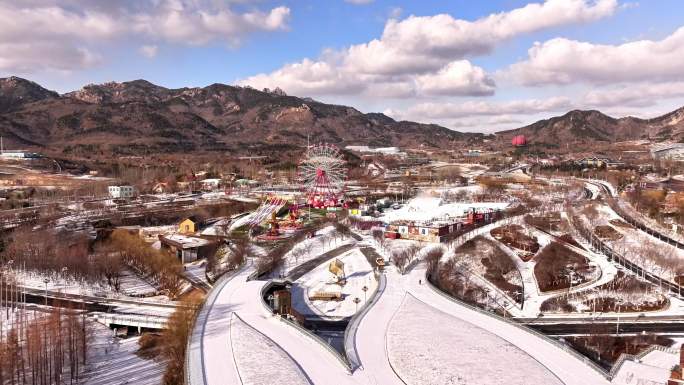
(130, 320)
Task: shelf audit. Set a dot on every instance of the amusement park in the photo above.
(321, 178)
(361, 255)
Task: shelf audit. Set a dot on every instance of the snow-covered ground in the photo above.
(113, 361)
(427, 346)
(568, 367)
(359, 274)
(131, 285)
(653, 224)
(252, 350)
(326, 239)
(196, 270)
(432, 208)
(650, 253)
(653, 369)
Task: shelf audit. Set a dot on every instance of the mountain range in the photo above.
(138, 118)
(594, 126)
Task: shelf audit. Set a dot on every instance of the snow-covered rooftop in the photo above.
(186, 241)
(433, 208)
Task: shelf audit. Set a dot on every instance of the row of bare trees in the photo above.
(43, 349)
(402, 257)
(654, 256)
(161, 268)
(276, 256)
(57, 257)
(228, 256)
(174, 341)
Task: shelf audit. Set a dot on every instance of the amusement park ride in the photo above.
(321, 174)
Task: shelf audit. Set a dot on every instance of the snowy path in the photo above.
(370, 336)
(114, 361)
(318, 363)
(376, 352)
(529, 281)
(533, 302)
(211, 360)
(214, 359)
(249, 346)
(458, 353)
(568, 367)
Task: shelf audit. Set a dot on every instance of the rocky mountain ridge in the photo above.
(138, 117)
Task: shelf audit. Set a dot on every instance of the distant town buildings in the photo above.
(210, 184)
(377, 150)
(599, 162)
(19, 154)
(121, 192)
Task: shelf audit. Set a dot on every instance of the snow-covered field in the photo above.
(113, 361)
(197, 270)
(359, 273)
(325, 240)
(131, 285)
(653, 224)
(653, 368)
(252, 351)
(433, 208)
(652, 254)
(426, 346)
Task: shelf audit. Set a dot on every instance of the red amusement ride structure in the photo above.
(322, 173)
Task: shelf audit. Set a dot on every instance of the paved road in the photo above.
(209, 357)
(568, 367)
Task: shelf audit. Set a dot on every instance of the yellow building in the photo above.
(187, 226)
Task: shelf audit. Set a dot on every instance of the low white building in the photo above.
(187, 248)
(210, 184)
(19, 154)
(121, 192)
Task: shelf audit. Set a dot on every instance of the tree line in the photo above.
(44, 348)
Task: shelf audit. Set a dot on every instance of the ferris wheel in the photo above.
(322, 173)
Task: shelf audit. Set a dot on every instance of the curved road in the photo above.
(210, 360)
(210, 354)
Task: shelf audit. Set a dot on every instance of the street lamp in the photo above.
(9, 267)
(617, 326)
(365, 297)
(356, 301)
(45, 281)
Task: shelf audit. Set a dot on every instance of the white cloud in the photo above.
(485, 124)
(428, 42)
(448, 110)
(395, 12)
(72, 31)
(457, 78)
(563, 61)
(417, 54)
(634, 95)
(36, 56)
(308, 77)
(149, 51)
(186, 23)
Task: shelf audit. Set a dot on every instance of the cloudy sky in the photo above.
(468, 65)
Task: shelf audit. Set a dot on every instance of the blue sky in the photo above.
(448, 62)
